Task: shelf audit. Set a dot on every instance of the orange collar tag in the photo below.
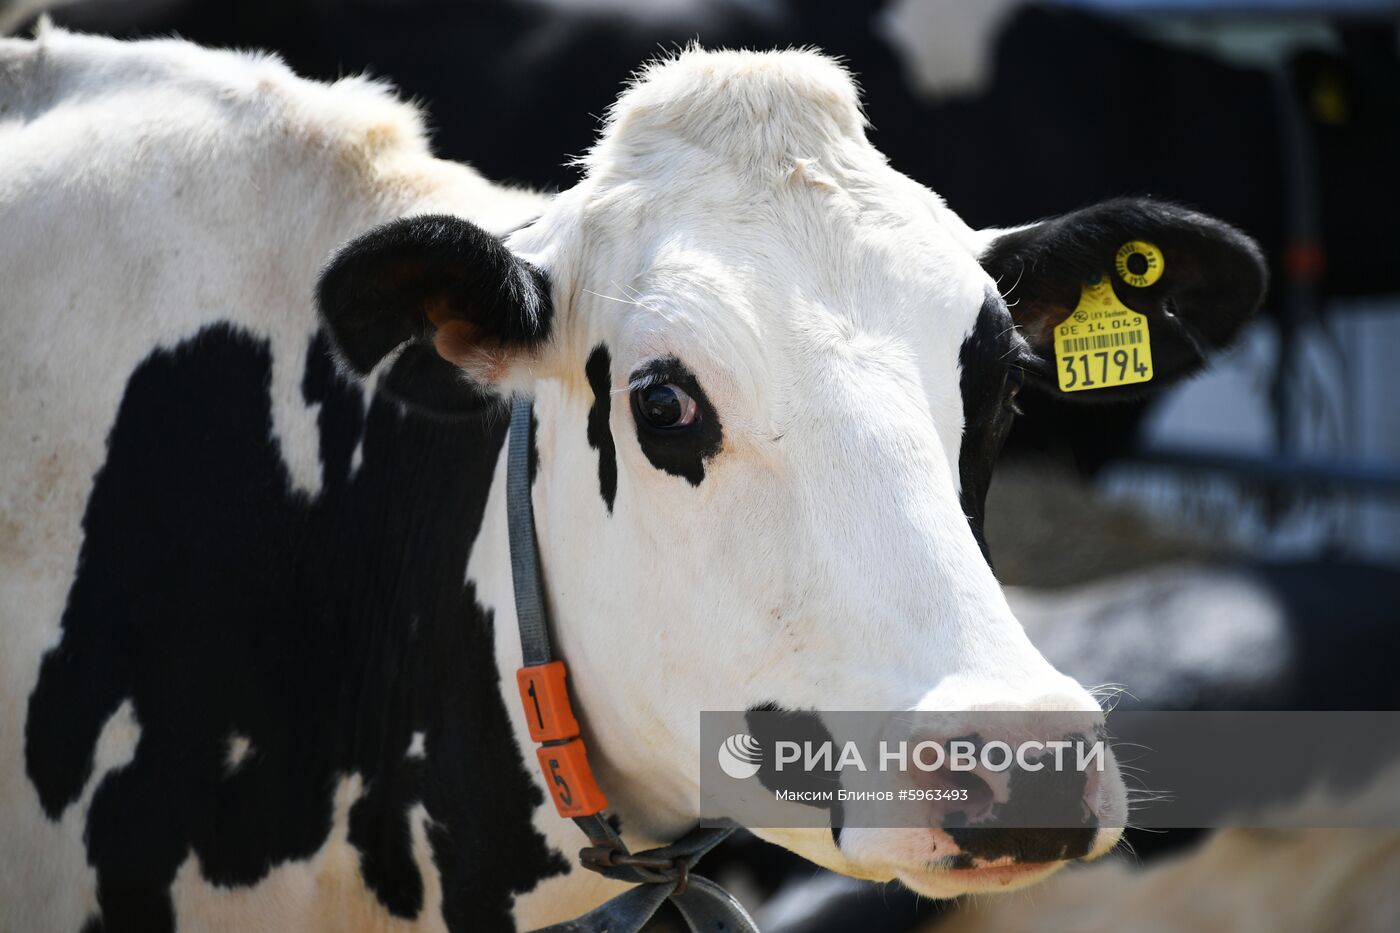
(563, 758)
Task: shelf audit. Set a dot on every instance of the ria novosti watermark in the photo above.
(1051, 769)
(929, 755)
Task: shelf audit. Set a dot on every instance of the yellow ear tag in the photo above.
(1139, 263)
(1103, 343)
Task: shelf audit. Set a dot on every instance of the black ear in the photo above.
(1195, 279)
(436, 281)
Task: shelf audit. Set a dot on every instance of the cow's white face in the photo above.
(770, 375)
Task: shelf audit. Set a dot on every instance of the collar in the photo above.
(563, 758)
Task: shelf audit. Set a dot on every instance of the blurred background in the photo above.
(1233, 544)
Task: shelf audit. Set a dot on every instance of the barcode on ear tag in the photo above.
(1103, 343)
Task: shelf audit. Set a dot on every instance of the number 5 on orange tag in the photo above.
(570, 780)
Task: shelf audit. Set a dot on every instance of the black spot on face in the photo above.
(679, 451)
(326, 631)
(989, 359)
(598, 369)
(770, 722)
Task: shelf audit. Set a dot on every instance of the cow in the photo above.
(258, 624)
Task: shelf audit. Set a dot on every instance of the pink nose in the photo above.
(1023, 787)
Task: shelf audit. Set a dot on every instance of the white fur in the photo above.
(733, 215)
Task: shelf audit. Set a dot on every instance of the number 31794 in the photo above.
(1103, 367)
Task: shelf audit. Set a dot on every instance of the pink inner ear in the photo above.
(456, 342)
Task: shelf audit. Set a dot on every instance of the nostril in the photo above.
(960, 797)
(979, 793)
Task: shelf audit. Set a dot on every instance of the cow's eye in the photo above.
(664, 407)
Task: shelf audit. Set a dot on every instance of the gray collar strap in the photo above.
(658, 873)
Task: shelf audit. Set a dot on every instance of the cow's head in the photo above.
(771, 375)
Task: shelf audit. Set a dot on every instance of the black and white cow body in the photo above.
(255, 614)
(370, 636)
(263, 586)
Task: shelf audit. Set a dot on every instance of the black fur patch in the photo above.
(990, 356)
(598, 369)
(681, 452)
(326, 631)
